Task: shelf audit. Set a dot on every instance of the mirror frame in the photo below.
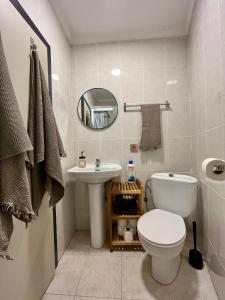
(97, 129)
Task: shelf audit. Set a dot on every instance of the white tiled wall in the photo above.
(207, 81)
(151, 72)
(42, 14)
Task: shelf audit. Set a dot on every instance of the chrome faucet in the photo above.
(97, 164)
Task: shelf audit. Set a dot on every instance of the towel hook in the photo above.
(33, 46)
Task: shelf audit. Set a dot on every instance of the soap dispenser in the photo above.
(82, 160)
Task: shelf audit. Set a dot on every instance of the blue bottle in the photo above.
(131, 171)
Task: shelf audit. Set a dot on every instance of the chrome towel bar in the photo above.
(125, 106)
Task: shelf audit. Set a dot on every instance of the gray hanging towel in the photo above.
(151, 127)
(44, 161)
(15, 196)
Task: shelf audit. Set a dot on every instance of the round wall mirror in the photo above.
(97, 108)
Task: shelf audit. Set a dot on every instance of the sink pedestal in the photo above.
(95, 180)
(97, 214)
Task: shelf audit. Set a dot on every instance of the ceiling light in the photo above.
(171, 82)
(116, 72)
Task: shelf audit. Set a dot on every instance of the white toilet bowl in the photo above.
(162, 234)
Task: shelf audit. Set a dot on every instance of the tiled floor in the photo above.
(89, 274)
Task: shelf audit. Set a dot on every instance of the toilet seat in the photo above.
(162, 228)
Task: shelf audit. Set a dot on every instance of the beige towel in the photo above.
(151, 127)
(46, 171)
(14, 142)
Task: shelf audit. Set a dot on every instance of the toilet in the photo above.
(162, 231)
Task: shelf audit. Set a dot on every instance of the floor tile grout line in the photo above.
(121, 268)
(58, 294)
(73, 296)
(81, 275)
(94, 254)
(75, 254)
(99, 297)
(88, 256)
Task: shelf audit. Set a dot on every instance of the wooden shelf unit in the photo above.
(119, 217)
(116, 242)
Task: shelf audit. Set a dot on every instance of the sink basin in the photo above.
(95, 180)
(90, 175)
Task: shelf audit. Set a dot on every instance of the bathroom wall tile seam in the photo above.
(211, 188)
(137, 136)
(219, 65)
(218, 257)
(207, 72)
(140, 42)
(204, 133)
(145, 67)
(143, 77)
(101, 141)
(179, 136)
(204, 70)
(208, 130)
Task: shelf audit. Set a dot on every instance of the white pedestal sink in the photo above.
(95, 180)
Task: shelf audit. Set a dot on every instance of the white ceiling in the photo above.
(96, 21)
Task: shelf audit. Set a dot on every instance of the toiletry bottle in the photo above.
(128, 235)
(82, 160)
(131, 171)
(133, 225)
(121, 226)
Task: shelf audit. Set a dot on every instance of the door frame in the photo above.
(29, 21)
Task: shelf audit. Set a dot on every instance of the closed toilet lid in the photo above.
(161, 227)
